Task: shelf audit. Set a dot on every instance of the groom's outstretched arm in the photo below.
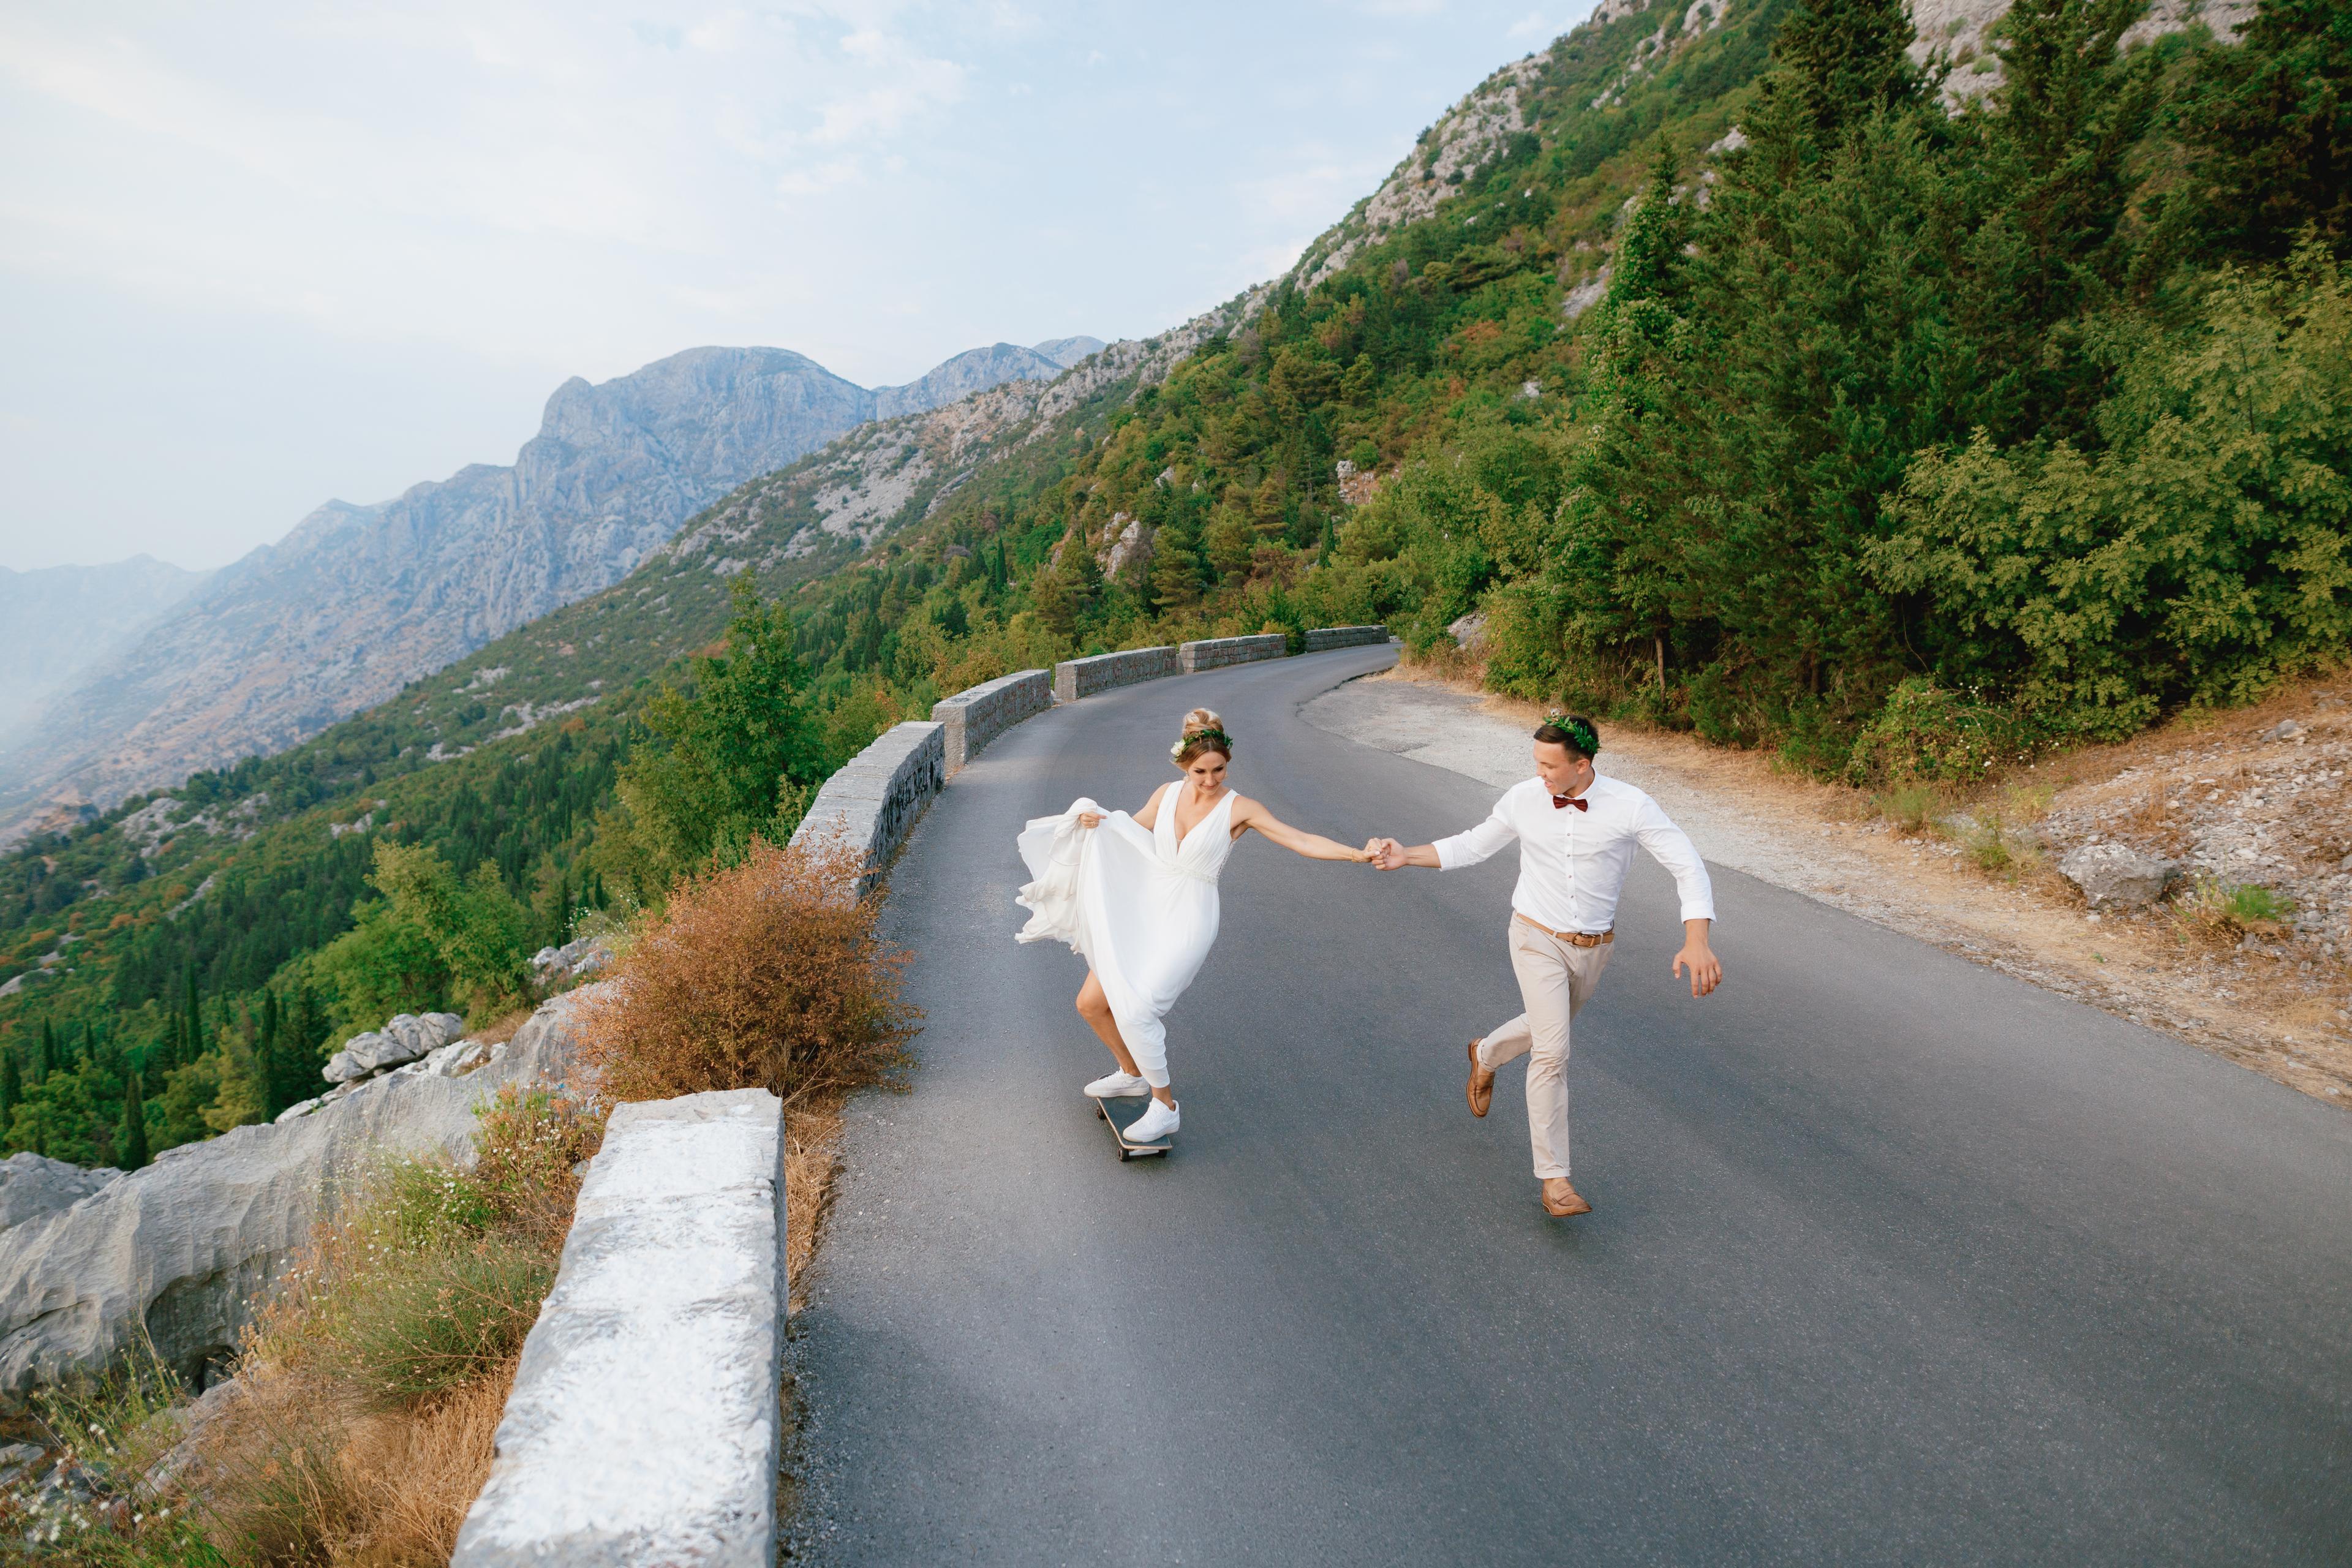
(1388, 854)
(1462, 849)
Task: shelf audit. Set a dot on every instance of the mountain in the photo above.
(61, 620)
(358, 601)
(1068, 352)
(976, 370)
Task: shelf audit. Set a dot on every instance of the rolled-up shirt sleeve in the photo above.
(1477, 845)
(1670, 847)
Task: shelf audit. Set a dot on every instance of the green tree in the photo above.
(2268, 131)
(12, 1085)
(479, 929)
(2196, 554)
(727, 760)
(1836, 63)
(384, 964)
(133, 1144)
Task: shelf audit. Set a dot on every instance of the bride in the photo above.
(1136, 896)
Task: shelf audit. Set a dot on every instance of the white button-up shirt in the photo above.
(1572, 863)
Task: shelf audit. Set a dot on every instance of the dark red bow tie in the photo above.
(1577, 801)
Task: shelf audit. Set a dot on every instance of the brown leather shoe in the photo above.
(1560, 1200)
(1481, 1084)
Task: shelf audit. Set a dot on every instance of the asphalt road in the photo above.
(1893, 1259)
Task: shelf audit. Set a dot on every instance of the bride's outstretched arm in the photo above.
(1314, 846)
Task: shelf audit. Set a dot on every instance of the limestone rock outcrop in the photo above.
(405, 1040)
(32, 1185)
(183, 1250)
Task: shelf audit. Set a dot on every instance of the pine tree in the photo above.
(1835, 62)
(133, 1144)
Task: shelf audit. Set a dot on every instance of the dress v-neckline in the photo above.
(1185, 834)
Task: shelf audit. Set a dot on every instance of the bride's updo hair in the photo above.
(1203, 733)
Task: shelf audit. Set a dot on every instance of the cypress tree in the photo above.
(194, 1042)
(12, 1087)
(2269, 126)
(134, 1124)
(44, 1052)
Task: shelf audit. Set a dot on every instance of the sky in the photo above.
(254, 257)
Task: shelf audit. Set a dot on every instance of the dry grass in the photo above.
(812, 1159)
(769, 974)
(440, 1457)
(372, 1379)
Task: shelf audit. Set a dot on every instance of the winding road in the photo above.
(1893, 1259)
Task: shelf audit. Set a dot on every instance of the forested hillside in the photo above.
(1735, 380)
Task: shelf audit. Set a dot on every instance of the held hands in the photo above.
(1385, 853)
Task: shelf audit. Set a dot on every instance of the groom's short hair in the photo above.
(1573, 730)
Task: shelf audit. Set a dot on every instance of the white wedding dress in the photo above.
(1139, 906)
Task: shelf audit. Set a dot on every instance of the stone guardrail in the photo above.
(645, 1426)
(1215, 652)
(1076, 678)
(1323, 639)
(978, 714)
(872, 801)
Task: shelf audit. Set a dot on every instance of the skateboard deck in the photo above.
(1127, 1149)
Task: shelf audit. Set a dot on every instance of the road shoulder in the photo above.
(1826, 843)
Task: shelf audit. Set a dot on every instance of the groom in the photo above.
(1575, 831)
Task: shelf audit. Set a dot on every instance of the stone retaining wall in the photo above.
(1076, 678)
(645, 1426)
(978, 714)
(875, 798)
(1196, 656)
(1322, 639)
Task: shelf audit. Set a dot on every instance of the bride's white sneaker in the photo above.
(1159, 1120)
(1118, 1086)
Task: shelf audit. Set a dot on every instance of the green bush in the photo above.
(2196, 559)
(1925, 733)
(446, 1316)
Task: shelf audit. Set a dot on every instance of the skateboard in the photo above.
(1126, 1150)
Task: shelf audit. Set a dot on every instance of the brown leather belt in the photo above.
(1573, 938)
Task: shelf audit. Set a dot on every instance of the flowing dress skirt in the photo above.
(1143, 920)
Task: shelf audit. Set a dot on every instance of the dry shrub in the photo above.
(768, 975)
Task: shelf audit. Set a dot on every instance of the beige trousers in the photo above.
(1556, 980)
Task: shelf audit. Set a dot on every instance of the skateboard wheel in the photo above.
(1124, 1156)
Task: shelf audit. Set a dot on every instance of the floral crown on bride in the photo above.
(1218, 741)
